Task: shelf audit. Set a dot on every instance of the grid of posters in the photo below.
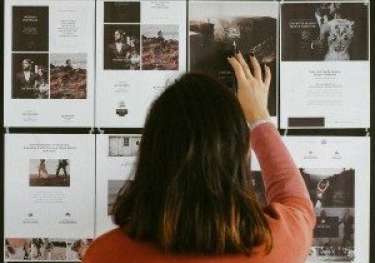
(325, 67)
(49, 47)
(115, 158)
(141, 47)
(219, 29)
(338, 181)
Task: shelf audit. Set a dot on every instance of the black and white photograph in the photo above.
(49, 172)
(114, 187)
(68, 76)
(220, 29)
(30, 76)
(160, 47)
(327, 31)
(30, 28)
(123, 145)
(333, 236)
(122, 12)
(121, 47)
(330, 187)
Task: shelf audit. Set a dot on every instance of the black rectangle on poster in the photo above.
(306, 122)
(30, 28)
(122, 12)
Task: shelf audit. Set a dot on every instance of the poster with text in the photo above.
(49, 198)
(338, 182)
(115, 162)
(141, 48)
(50, 49)
(218, 29)
(325, 67)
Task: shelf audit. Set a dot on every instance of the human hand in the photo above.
(252, 90)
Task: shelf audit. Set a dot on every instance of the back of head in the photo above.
(192, 189)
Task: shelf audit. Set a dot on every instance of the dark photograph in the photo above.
(122, 47)
(333, 236)
(330, 187)
(30, 76)
(114, 187)
(68, 76)
(160, 47)
(215, 36)
(122, 12)
(30, 28)
(123, 145)
(49, 172)
(324, 31)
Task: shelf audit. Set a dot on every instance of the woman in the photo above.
(191, 199)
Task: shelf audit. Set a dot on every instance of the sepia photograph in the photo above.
(327, 31)
(30, 28)
(30, 76)
(330, 187)
(220, 29)
(122, 47)
(114, 187)
(122, 12)
(17, 249)
(123, 145)
(49, 172)
(333, 236)
(76, 249)
(68, 76)
(160, 47)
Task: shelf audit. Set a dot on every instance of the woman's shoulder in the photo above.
(106, 244)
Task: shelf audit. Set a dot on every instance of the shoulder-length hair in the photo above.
(192, 190)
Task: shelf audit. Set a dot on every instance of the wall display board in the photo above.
(338, 181)
(141, 46)
(218, 29)
(49, 52)
(115, 160)
(51, 214)
(325, 65)
(80, 76)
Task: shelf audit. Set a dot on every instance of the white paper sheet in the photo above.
(344, 162)
(49, 195)
(325, 67)
(115, 160)
(141, 47)
(217, 29)
(49, 48)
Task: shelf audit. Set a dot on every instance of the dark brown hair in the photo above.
(192, 190)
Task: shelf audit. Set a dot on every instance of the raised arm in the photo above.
(281, 177)
(283, 181)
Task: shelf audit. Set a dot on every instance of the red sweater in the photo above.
(290, 215)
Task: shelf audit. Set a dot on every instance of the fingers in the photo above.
(244, 65)
(256, 67)
(267, 76)
(238, 70)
